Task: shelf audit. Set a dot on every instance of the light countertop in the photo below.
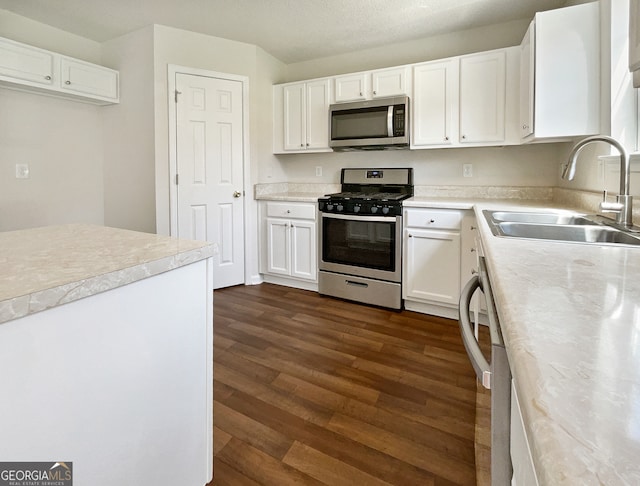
(570, 317)
(53, 265)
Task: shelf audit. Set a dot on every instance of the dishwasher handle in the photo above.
(479, 362)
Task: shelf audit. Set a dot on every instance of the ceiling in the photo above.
(290, 30)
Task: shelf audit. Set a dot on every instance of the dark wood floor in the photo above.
(314, 390)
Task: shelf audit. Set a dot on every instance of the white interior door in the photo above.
(209, 168)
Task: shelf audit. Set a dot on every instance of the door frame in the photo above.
(172, 70)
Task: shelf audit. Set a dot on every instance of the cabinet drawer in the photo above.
(291, 210)
(433, 218)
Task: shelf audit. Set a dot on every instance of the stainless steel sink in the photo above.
(541, 218)
(558, 227)
(576, 233)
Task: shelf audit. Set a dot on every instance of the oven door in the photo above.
(364, 246)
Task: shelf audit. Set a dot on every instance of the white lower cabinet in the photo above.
(288, 243)
(524, 473)
(431, 264)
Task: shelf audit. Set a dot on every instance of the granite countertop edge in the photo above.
(169, 254)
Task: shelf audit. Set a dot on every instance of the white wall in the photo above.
(438, 47)
(61, 140)
(530, 165)
(129, 130)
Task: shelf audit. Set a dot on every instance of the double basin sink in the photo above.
(558, 227)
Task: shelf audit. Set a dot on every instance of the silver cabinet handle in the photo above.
(237, 194)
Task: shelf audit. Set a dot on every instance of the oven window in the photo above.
(359, 243)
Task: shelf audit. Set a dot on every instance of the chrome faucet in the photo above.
(623, 206)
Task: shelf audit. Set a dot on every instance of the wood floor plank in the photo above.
(428, 459)
(261, 467)
(251, 431)
(314, 390)
(326, 469)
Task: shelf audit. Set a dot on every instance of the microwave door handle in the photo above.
(390, 121)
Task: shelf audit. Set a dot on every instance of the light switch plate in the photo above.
(22, 171)
(467, 170)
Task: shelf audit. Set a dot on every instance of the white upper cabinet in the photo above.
(483, 97)
(87, 79)
(560, 74)
(301, 117)
(634, 40)
(32, 69)
(25, 63)
(372, 84)
(466, 101)
(434, 103)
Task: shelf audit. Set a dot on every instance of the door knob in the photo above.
(237, 194)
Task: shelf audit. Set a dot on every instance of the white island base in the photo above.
(120, 383)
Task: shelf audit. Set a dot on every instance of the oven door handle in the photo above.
(479, 362)
(352, 217)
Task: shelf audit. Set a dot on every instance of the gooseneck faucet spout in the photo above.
(624, 205)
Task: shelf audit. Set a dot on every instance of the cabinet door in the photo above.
(432, 266)
(389, 82)
(88, 79)
(294, 117)
(482, 97)
(352, 87)
(278, 246)
(634, 35)
(317, 95)
(303, 250)
(527, 73)
(434, 93)
(26, 63)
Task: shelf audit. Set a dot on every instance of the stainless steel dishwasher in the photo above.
(493, 372)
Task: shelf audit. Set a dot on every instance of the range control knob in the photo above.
(356, 209)
(374, 209)
(385, 210)
(330, 207)
(340, 207)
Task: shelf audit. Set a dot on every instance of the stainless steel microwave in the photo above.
(370, 125)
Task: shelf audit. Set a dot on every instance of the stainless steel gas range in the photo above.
(360, 236)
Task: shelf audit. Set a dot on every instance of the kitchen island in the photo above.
(106, 354)
(570, 318)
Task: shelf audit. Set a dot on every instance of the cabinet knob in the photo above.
(431, 221)
(375, 92)
(302, 145)
(410, 235)
(464, 137)
(525, 127)
(446, 139)
(48, 78)
(67, 82)
(474, 272)
(288, 211)
(473, 228)
(473, 250)
(307, 145)
(360, 93)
